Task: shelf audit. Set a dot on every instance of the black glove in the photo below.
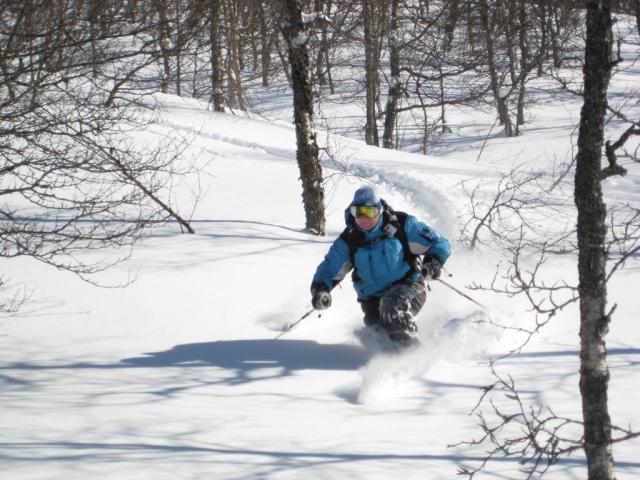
(431, 268)
(321, 298)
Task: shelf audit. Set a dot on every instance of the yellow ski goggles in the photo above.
(364, 210)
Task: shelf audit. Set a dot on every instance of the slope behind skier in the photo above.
(390, 254)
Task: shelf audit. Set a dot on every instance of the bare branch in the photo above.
(610, 151)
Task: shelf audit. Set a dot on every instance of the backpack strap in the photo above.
(392, 225)
(354, 238)
(395, 227)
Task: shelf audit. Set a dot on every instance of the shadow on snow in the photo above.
(246, 360)
(91, 450)
(248, 355)
(239, 355)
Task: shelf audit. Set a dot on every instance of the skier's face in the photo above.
(366, 223)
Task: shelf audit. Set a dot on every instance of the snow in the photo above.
(299, 40)
(179, 375)
(308, 18)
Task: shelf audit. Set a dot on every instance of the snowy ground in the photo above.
(180, 376)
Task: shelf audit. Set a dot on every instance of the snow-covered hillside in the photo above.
(180, 376)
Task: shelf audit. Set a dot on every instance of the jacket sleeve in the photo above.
(424, 240)
(335, 266)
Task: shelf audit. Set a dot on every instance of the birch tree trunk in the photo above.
(371, 71)
(217, 97)
(592, 256)
(524, 61)
(507, 20)
(394, 80)
(307, 148)
(235, 90)
(165, 44)
(265, 45)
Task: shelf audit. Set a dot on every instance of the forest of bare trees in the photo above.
(405, 62)
(74, 71)
(429, 54)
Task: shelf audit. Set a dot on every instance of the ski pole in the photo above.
(461, 293)
(290, 327)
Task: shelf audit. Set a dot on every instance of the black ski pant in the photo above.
(397, 307)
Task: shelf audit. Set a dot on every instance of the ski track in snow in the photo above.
(212, 134)
(431, 202)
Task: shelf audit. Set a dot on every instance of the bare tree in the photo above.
(437, 66)
(600, 235)
(323, 62)
(217, 97)
(526, 65)
(295, 32)
(394, 92)
(164, 40)
(496, 84)
(71, 180)
(235, 89)
(268, 38)
(371, 11)
(592, 256)
(510, 426)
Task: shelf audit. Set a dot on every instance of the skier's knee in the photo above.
(396, 313)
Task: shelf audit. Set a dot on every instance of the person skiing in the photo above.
(390, 253)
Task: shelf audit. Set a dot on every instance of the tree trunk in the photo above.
(542, 52)
(93, 21)
(253, 27)
(507, 18)
(307, 147)
(553, 33)
(284, 59)
(524, 62)
(503, 111)
(265, 45)
(165, 44)
(443, 102)
(320, 55)
(217, 97)
(178, 57)
(425, 117)
(453, 17)
(592, 256)
(235, 91)
(325, 49)
(242, 34)
(323, 63)
(371, 72)
(394, 79)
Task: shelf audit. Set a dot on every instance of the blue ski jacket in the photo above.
(377, 257)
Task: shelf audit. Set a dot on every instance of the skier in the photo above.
(390, 253)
